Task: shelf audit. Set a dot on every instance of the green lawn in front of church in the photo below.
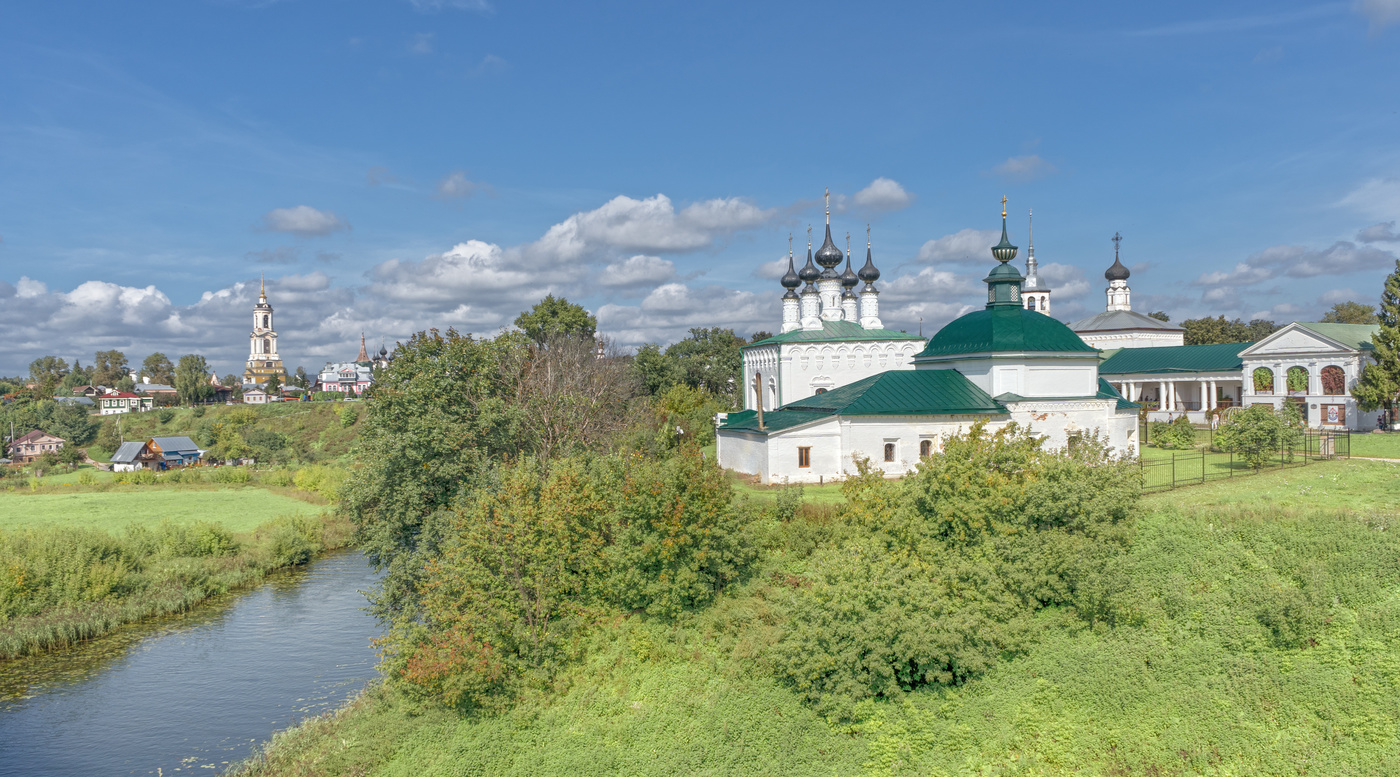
(238, 509)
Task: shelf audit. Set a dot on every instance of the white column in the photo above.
(1162, 395)
(1205, 396)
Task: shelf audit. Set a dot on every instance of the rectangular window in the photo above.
(889, 451)
(804, 456)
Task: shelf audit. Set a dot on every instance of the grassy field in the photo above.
(1380, 446)
(1205, 675)
(238, 509)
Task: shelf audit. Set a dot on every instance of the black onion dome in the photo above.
(868, 273)
(848, 278)
(828, 255)
(1117, 272)
(809, 271)
(790, 279)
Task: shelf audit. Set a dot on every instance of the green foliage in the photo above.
(551, 318)
(348, 416)
(230, 475)
(710, 360)
(1160, 316)
(1297, 379)
(289, 540)
(1350, 313)
(165, 414)
(70, 422)
(48, 370)
(274, 386)
(1259, 432)
(109, 368)
(952, 564)
(514, 585)
(158, 368)
(1379, 384)
(192, 379)
(321, 479)
(198, 412)
(656, 371)
(1210, 331)
(1263, 378)
(1174, 435)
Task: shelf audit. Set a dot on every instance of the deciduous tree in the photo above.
(158, 369)
(192, 379)
(555, 317)
(1350, 313)
(109, 367)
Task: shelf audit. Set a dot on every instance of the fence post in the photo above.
(1173, 469)
(1203, 465)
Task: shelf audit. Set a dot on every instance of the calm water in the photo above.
(193, 694)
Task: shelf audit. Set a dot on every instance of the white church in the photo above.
(835, 386)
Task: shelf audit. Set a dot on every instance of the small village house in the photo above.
(174, 452)
(123, 402)
(33, 445)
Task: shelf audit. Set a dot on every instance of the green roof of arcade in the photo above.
(832, 331)
(1356, 336)
(1222, 357)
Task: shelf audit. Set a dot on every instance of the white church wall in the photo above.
(1146, 338)
(824, 440)
(743, 452)
(1058, 421)
(1026, 375)
(828, 365)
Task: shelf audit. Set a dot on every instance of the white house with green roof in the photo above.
(1312, 365)
(830, 336)
(998, 365)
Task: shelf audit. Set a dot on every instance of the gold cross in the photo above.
(1003, 205)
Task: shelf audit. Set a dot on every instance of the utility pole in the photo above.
(758, 394)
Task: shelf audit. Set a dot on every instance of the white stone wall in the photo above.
(1299, 347)
(1030, 375)
(793, 371)
(1142, 338)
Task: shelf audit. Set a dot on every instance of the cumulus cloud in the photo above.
(1298, 262)
(883, 194)
(1024, 168)
(455, 185)
(303, 221)
(1337, 295)
(1378, 233)
(1380, 13)
(670, 310)
(639, 270)
(772, 271)
(651, 225)
(962, 246)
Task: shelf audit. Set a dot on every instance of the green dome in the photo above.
(1004, 328)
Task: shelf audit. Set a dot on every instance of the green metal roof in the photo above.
(1004, 328)
(1356, 336)
(1223, 357)
(897, 392)
(773, 421)
(835, 331)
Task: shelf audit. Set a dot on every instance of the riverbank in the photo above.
(77, 564)
(1256, 637)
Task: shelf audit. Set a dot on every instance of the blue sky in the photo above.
(392, 166)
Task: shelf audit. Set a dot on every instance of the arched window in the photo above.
(1334, 381)
(1030, 303)
(820, 391)
(267, 322)
(1263, 380)
(267, 345)
(1297, 378)
(889, 451)
(925, 448)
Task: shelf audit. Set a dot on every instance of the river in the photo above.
(195, 693)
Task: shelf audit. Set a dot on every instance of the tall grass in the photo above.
(61, 585)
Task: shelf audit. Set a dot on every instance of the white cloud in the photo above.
(456, 185)
(422, 43)
(638, 270)
(1378, 198)
(1298, 262)
(479, 6)
(303, 220)
(1024, 168)
(965, 245)
(1380, 13)
(670, 310)
(772, 271)
(651, 226)
(489, 64)
(883, 194)
(1337, 295)
(1378, 233)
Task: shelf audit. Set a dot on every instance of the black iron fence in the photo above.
(1170, 469)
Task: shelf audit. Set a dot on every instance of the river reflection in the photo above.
(194, 693)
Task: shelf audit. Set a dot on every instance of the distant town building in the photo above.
(263, 360)
(35, 444)
(123, 402)
(172, 452)
(356, 376)
(1119, 326)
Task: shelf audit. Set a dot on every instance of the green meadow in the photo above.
(237, 509)
(1262, 636)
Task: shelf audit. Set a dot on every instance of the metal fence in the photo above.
(1185, 468)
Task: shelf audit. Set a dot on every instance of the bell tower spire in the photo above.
(1034, 294)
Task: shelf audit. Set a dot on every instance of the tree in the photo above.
(235, 384)
(1259, 431)
(274, 385)
(760, 335)
(192, 379)
(125, 384)
(553, 317)
(1350, 313)
(158, 369)
(1211, 331)
(1380, 380)
(301, 380)
(656, 371)
(710, 359)
(70, 422)
(1160, 316)
(109, 368)
(47, 369)
(570, 399)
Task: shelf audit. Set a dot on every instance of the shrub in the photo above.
(86, 478)
(230, 475)
(290, 540)
(165, 414)
(348, 415)
(321, 479)
(198, 411)
(277, 477)
(1259, 431)
(952, 564)
(678, 537)
(1178, 434)
(140, 477)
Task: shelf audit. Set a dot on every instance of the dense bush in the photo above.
(1259, 432)
(952, 563)
(1178, 434)
(321, 479)
(230, 475)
